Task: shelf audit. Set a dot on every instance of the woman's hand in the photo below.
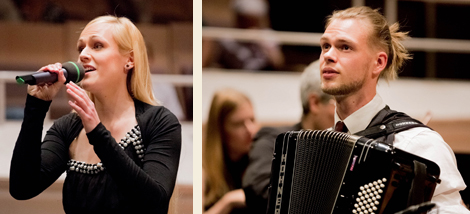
(48, 91)
(235, 198)
(230, 201)
(81, 103)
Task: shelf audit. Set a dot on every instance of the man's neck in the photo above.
(347, 105)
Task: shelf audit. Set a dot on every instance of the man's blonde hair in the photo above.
(383, 36)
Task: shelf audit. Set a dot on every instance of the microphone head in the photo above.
(75, 71)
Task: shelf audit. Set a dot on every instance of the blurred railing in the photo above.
(313, 39)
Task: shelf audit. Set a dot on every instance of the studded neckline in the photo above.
(133, 137)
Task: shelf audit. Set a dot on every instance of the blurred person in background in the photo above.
(229, 132)
(318, 114)
(255, 55)
(9, 12)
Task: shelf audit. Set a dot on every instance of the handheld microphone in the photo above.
(72, 71)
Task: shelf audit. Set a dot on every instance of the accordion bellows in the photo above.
(332, 172)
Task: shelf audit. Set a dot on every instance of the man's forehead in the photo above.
(346, 29)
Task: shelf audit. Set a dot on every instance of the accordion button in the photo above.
(375, 183)
(359, 193)
(354, 211)
(384, 179)
(358, 199)
(376, 202)
(361, 188)
(380, 191)
(360, 204)
(378, 197)
(374, 208)
(356, 205)
(364, 192)
(382, 185)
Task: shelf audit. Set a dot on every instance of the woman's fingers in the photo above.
(47, 91)
(78, 95)
(81, 103)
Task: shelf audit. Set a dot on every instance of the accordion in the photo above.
(332, 172)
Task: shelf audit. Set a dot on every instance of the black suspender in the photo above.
(387, 123)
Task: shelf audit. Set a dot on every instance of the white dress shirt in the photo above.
(425, 143)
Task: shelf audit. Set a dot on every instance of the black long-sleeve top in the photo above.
(128, 184)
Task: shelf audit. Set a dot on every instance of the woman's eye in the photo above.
(98, 46)
(80, 49)
(345, 47)
(326, 46)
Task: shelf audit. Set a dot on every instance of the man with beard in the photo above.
(358, 48)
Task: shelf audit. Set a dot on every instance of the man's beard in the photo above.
(344, 89)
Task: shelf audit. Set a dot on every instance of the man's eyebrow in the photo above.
(343, 40)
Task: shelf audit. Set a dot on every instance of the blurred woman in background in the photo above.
(230, 129)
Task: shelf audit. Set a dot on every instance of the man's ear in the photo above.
(313, 102)
(380, 63)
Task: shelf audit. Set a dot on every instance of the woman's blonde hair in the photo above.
(217, 180)
(384, 36)
(130, 40)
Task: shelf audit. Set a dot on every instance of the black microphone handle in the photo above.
(72, 71)
(39, 77)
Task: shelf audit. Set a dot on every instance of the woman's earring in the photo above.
(127, 66)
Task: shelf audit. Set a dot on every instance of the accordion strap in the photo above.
(388, 122)
(416, 194)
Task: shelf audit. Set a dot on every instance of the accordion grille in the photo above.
(327, 154)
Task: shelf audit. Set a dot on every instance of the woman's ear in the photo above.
(130, 62)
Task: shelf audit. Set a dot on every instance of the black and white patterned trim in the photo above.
(133, 137)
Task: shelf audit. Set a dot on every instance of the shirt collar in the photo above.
(360, 119)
